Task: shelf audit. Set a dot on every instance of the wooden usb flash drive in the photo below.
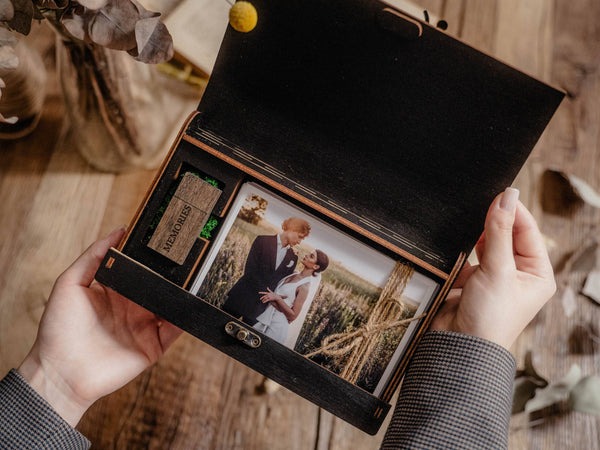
(184, 218)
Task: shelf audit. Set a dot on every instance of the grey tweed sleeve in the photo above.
(457, 393)
(28, 421)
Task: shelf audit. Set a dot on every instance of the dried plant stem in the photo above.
(386, 315)
(99, 92)
(104, 87)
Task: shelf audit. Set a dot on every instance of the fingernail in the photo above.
(508, 201)
(119, 228)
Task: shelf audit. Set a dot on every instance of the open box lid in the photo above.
(410, 137)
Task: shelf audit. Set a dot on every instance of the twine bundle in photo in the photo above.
(357, 346)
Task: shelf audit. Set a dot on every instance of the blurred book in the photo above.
(197, 28)
(414, 9)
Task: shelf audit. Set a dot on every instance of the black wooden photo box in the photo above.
(315, 210)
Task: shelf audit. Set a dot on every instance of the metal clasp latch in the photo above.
(243, 334)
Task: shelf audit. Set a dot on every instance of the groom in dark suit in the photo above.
(271, 258)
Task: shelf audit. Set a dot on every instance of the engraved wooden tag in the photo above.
(184, 218)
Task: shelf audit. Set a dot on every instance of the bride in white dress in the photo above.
(285, 303)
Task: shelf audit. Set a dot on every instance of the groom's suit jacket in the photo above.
(259, 274)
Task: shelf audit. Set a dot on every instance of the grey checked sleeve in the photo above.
(457, 393)
(27, 421)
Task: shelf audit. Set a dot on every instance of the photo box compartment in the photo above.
(389, 145)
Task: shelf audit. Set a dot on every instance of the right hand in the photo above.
(498, 298)
(91, 340)
(269, 296)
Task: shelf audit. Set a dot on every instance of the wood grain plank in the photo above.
(23, 161)
(251, 419)
(127, 192)
(453, 12)
(524, 35)
(432, 6)
(63, 219)
(341, 435)
(50, 211)
(479, 24)
(197, 397)
(524, 38)
(564, 53)
(520, 35)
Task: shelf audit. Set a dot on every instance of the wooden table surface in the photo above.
(54, 205)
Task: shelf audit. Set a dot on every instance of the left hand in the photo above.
(498, 298)
(91, 340)
(269, 296)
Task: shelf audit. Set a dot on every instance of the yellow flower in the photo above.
(243, 16)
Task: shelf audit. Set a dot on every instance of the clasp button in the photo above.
(242, 334)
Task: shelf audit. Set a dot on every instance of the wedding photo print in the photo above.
(313, 288)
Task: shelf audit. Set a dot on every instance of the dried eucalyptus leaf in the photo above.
(75, 23)
(591, 288)
(527, 381)
(8, 57)
(585, 396)
(10, 120)
(584, 339)
(584, 260)
(144, 13)
(555, 392)
(563, 192)
(585, 191)
(7, 38)
(93, 4)
(524, 390)
(52, 4)
(7, 11)
(557, 194)
(529, 371)
(569, 302)
(581, 260)
(21, 21)
(114, 25)
(154, 43)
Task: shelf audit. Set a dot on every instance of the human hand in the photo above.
(91, 341)
(514, 279)
(268, 296)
